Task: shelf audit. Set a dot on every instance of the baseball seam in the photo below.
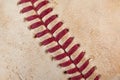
(57, 38)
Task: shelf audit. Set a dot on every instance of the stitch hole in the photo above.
(46, 51)
(78, 45)
(52, 58)
(65, 72)
(69, 78)
(67, 29)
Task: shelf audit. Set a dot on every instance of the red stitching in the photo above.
(45, 12)
(73, 49)
(60, 56)
(35, 25)
(57, 26)
(84, 65)
(40, 34)
(78, 58)
(48, 41)
(89, 72)
(78, 77)
(23, 1)
(40, 5)
(57, 39)
(32, 17)
(53, 49)
(26, 9)
(65, 64)
(61, 34)
(67, 42)
(50, 19)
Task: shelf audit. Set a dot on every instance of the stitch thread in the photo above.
(56, 39)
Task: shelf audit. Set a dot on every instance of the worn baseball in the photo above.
(59, 40)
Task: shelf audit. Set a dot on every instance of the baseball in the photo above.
(59, 40)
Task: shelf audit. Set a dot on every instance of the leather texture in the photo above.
(94, 24)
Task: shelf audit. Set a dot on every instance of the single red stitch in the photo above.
(78, 77)
(45, 12)
(79, 58)
(48, 41)
(89, 73)
(71, 71)
(67, 42)
(40, 34)
(30, 18)
(41, 4)
(73, 49)
(60, 56)
(53, 49)
(57, 26)
(65, 64)
(26, 9)
(50, 19)
(36, 25)
(23, 1)
(61, 34)
(84, 65)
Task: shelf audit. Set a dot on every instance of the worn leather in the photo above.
(94, 24)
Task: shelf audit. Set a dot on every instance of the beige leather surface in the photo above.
(94, 23)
